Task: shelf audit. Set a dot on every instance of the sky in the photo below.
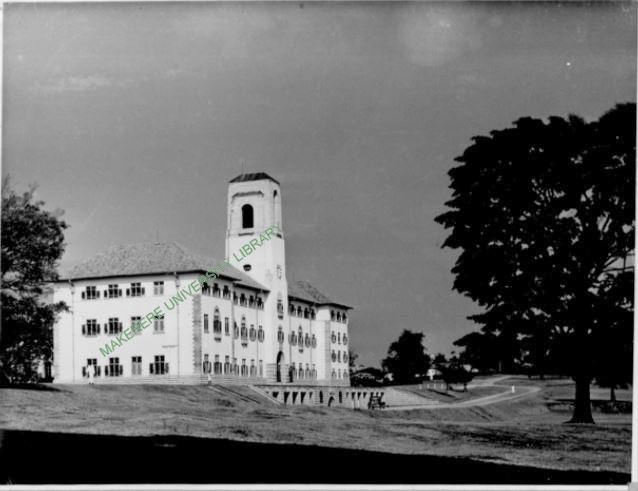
(132, 118)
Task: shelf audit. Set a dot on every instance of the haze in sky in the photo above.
(133, 118)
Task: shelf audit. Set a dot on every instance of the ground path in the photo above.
(506, 395)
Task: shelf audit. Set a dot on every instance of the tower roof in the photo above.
(253, 176)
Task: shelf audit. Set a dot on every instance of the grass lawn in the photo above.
(524, 431)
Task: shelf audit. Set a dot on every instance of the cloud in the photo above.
(80, 84)
(434, 35)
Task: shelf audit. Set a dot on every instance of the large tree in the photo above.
(543, 213)
(32, 244)
(407, 360)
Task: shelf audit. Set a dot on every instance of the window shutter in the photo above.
(83, 295)
(106, 293)
(128, 292)
(98, 329)
(150, 368)
(84, 371)
(84, 329)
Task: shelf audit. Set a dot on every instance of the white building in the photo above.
(249, 325)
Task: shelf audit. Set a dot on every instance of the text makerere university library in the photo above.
(249, 325)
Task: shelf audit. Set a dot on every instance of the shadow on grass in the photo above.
(65, 458)
(25, 386)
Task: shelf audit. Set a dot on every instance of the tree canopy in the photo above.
(407, 360)
(543, 213)
(32, 244)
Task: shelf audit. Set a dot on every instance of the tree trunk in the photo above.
(582, 402)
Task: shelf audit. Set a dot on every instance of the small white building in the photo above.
(249, 325)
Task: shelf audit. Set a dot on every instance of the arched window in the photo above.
(280, 306)
(260, 334)
(339, 338)
(247, 216)
(339, 356)
(299, 311)
(244, 330)
(291, 309)
(217, 323)
(253, 333)
(334, 373)
(235, 330)
(344, 317)
(307, 340)
(306, 313)
(314, 341)
(333, 337)
(338, 316)
(344, 339)
(280, 335)
(334, 356)
(345, 357)
(313, 314)
(300, 339)
(332, 315)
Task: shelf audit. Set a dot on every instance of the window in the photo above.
(136, 290)
(307, 340)
(313, 314)
(344, 339)
(159, 367)
(244, 332)
(216, 290)
(217, 325)
(227, 364)
(293, 339)
(114, 325)
(260, 303)
(205, 322)
(158, 325)
(253, 333)
(247, 219)
(333, 337)
(345, 357)
(308, 371)
(226, 292)
(280, 335)
(332, 315)
(206, 368)
(218, 366)
(91, 328)
(113, 292)
(251, 301)
(90, 293)
(226, 326)
(235, 367)
(334, 356)
(91, 364)
(244, 368)
(314, 341)
(114, 369)
(344, 318)
(334, 374)
(235, 330)
(260, 334)
(299, 311)
(339, 356)
(261, 368)
(338, 316)
(339, 338)
(280, 307)
(158, 288)
(135, 324)
(314, 371)
(235, 298)
(291, 309)
(242, 300)
(300, 339)
(306, 313)
(253, 368)
(300, 372)
(339, 376)
(206, 289)
(136, 365)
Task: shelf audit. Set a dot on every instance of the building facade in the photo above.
(249, 325)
